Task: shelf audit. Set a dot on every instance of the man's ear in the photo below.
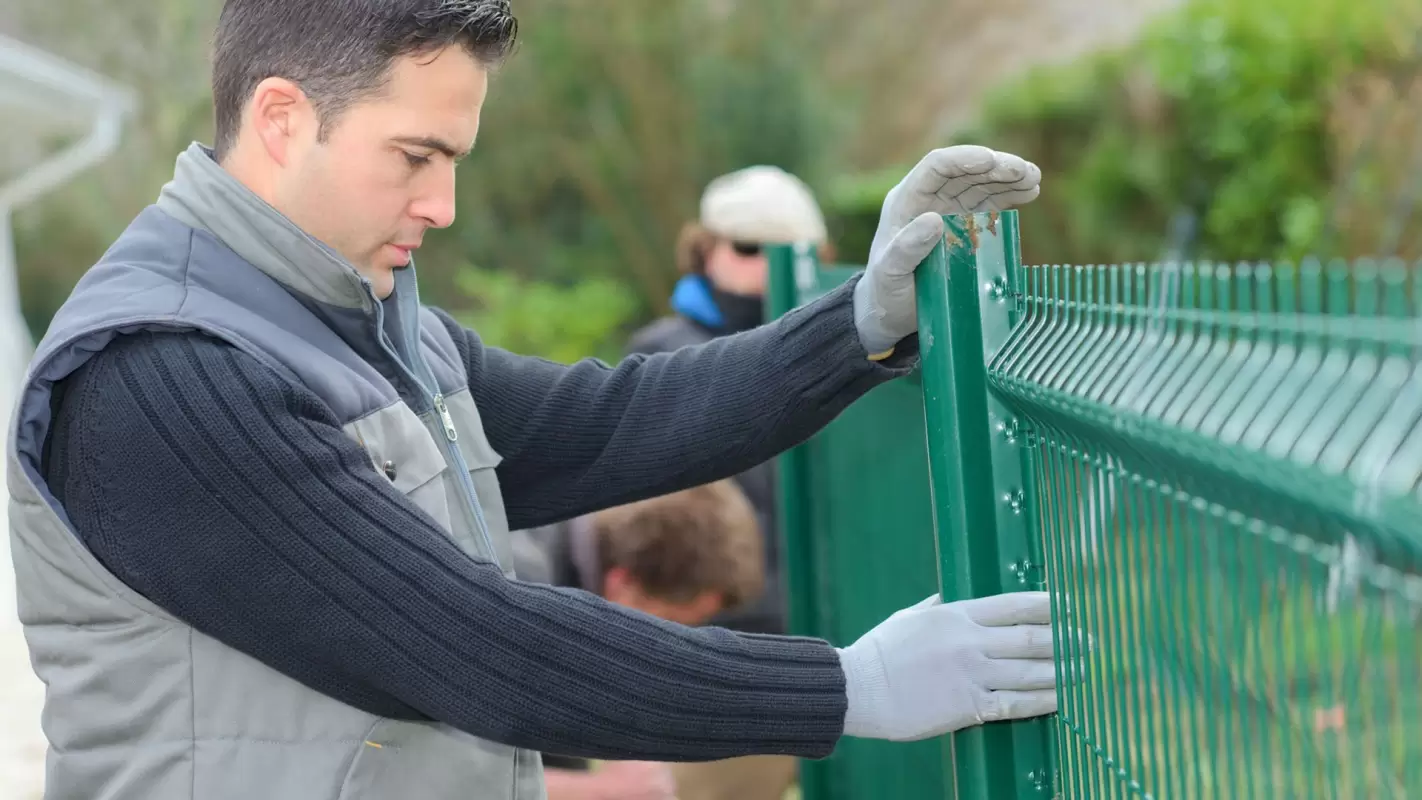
(619, 587)
(707, 605)
(280, 114)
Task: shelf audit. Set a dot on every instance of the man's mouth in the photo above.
(404, 250)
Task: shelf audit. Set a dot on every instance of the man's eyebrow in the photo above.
(433, 143)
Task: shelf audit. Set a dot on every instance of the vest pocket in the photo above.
(428, 760)
(399, 445)
(401, 449)
(491, 502)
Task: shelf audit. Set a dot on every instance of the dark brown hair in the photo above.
(339, 51)
(677, 546)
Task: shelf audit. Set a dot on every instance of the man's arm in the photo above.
(232, 498)
(582, 437)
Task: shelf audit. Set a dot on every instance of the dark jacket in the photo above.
(701, 315)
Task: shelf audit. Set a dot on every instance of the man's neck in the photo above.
(251, 169)
(214, 198)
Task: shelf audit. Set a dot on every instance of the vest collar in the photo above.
(203, 195)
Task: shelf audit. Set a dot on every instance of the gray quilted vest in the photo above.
(140, 706)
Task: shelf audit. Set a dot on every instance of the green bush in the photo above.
(595, 142)
(1234, 109)
(600, 133)
(563, 323)
(851, 206)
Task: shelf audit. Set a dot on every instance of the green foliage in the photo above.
(1229, 108)
(600, 133)
(851, 205)
(158, 50)
(596, 140)
(541, 318)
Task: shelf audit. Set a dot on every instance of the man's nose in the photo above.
(435, 204)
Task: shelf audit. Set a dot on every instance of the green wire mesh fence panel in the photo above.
(856, 521)
(1226, 470)
(980, 469)
(1218, 468)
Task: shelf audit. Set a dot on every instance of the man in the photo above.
(260, 496)
(683, 557)
(722, 291)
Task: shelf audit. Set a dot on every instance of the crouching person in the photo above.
(685, 557)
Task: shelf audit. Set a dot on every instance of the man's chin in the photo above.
(380, 274)
(382, 284)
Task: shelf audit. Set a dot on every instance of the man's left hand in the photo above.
(964, 179)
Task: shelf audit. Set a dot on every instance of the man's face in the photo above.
(385, 174)
(738, 267)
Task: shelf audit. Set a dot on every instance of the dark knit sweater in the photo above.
(231, 497)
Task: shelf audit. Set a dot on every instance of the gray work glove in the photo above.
(964, 179)
(933, 668)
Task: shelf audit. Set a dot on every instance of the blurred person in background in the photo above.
(261, 495)
(725, 274)
(682, 557)
(722, 255)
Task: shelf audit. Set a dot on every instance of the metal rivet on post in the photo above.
(1013, 430)
(1038, 780)
(1028, 571)
(1020, 569)
(389, 468)
(999, 289)
(1015, 500)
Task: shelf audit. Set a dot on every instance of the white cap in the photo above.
(762, 204)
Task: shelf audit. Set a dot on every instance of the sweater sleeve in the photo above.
(231, 498)
(655, 424)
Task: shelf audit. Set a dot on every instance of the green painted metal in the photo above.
(1217, 468)
(857, 527)
(980, 472)
(1228, 469)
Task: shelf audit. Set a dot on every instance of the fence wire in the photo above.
(1230, 492)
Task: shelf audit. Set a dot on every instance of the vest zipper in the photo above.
(452, 453)
(429, 387)
(450, 432)
(471, 495)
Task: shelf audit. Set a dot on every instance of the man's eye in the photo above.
(416, 161)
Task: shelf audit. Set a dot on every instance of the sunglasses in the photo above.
(746, 248)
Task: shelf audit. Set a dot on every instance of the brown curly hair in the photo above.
(680, 545)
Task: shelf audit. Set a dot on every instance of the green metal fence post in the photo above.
(792, 501)
(980, 472)
(792, 498)
(856, 522)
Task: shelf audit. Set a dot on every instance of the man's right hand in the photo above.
(933, 668)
